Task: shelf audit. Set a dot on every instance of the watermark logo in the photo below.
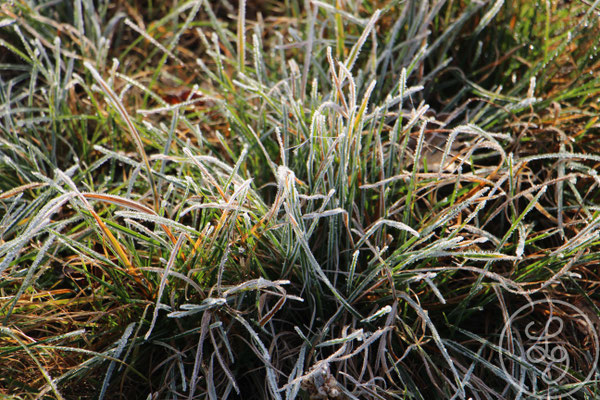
(549, 349)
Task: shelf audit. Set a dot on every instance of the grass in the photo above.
(292, 199)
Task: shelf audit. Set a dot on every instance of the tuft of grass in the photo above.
(291, 199)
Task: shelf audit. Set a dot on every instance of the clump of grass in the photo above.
(317, 200)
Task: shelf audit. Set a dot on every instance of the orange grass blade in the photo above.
(123, 202)
(112, 239)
